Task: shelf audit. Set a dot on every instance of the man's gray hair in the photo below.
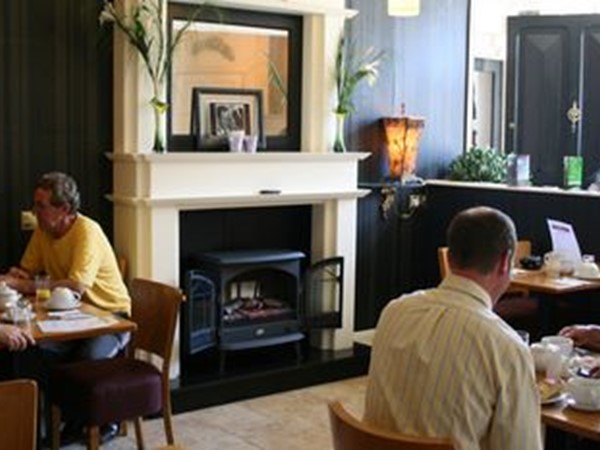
(63, 190)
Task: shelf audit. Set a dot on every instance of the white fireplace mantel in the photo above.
(303, 7)
(151, 190)
(205, 180)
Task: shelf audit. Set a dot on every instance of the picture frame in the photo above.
(218, 111)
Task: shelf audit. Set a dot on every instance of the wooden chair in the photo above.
(18, 415)
(349, 433)
(522, 249)
(516, 306)
(112, 390)
(122, 263)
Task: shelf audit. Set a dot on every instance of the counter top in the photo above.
(554, 190)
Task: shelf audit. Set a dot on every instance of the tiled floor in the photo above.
(294, 420)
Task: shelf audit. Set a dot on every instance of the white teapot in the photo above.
(587, 268)
(63, 298)
(8, 296)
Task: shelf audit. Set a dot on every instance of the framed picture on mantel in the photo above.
(217, 112)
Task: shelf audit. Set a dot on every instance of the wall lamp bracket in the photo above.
(410, 205)
(388, 194)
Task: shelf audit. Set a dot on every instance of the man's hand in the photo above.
(15, 338)
(23, 285)
(586, 336)
(17, 272)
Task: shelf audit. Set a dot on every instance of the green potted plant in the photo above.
(479, 164)
(350, 69)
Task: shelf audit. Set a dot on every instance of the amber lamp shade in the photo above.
(402, 135)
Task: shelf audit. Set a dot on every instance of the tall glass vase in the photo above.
(160, 124)
(159, 108)
(339, 144)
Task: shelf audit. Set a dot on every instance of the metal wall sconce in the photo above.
(388, 199)
(412, 203)
(404, 8)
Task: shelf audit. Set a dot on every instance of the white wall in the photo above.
(488, 20)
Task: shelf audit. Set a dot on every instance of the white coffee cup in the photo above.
(63, 298)
(585, 392)
(565, 344)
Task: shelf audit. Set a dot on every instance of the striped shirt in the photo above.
(444, 364)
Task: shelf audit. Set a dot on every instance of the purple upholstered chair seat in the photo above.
(108, 390)
(119, 389)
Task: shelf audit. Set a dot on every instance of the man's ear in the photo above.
(505, 264)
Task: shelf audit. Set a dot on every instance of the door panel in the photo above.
(553, 63)
(542, 98)
(590, 101)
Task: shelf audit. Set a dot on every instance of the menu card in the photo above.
(65, 325)
(564, 240)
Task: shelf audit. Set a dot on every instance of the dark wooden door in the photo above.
(551, 64)
(590, 100)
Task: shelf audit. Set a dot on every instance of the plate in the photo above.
(581, 277)
(555, 399)
(62, 308)
(586, 408)
(6, 318)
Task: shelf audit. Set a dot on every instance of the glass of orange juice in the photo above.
(42, 288)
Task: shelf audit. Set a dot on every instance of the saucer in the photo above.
(580, 407)
(7, 318)
(554, 399)
(587, 278)
(62, 308)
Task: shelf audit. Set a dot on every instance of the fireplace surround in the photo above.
(150, 190)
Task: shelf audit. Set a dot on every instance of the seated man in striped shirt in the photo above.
(444, 364)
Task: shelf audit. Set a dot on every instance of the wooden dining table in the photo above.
(549, 290)
(101, 322)
(538, 281)
(560, 415)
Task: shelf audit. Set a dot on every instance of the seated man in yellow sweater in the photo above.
(74, 251)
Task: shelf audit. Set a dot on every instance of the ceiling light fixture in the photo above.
(404, 8)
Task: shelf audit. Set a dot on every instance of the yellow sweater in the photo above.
(83, 255)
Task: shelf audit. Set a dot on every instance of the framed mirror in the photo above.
(237, 50)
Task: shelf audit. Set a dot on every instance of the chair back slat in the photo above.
(522, 249)
(349, 433)
(155, 309)
(18, 415)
